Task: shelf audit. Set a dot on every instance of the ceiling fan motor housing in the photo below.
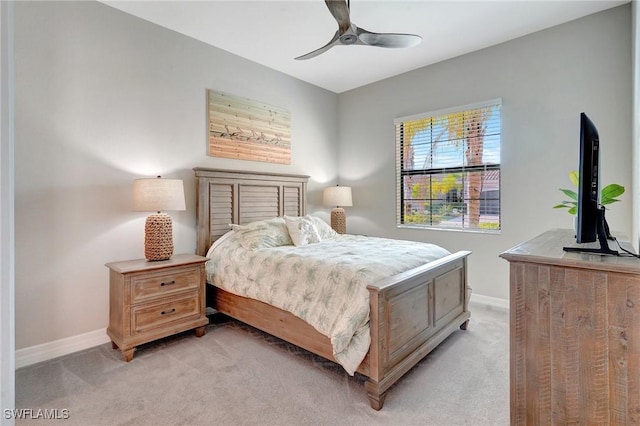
(348, 38)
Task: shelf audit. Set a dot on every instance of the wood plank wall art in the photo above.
(245, 129)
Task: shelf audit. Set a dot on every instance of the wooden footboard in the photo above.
(411, 313)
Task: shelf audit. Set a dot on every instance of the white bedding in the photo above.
(325, 283)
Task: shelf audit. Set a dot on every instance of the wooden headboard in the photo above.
(230, 196)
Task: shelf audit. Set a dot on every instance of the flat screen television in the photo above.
(591, 225)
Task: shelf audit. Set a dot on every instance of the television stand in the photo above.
(602, 230)
(574, 324)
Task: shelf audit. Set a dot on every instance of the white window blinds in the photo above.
(448, 168)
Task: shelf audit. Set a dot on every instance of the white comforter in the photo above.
(325, 284)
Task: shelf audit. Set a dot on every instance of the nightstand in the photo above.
(151, 300)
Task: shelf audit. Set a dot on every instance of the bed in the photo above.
(410, 313)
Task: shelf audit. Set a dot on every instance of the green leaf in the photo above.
(569, 193)
(565, 204)
(611, 191)
(574, 177)
(573, 210)
(609, 201)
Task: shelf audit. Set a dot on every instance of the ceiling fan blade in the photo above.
(334, 41)
(340, 12)
(388, 39)
(350, 34)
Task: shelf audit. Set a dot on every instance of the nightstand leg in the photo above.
(200, 331)
(113, 345)
(128, 354)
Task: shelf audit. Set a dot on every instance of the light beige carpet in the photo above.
(236, 375)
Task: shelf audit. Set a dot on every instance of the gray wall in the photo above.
(545, 80)
(103, 98)
(636, 126)
(7, 252)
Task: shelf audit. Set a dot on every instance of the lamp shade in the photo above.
(337, 196)
(157, 194)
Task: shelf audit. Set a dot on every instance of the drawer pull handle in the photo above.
(168, 312)
(169, 283)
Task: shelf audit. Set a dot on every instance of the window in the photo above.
(448, 168)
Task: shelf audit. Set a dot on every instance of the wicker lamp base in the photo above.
(339, 220)
(158, 237)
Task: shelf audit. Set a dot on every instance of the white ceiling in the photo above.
(272, 32)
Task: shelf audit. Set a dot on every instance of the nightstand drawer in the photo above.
(149, 286)
(147, 316)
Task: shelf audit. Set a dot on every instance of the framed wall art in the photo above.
(245, 129)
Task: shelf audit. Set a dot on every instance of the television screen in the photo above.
(589, 184)
(591, 225)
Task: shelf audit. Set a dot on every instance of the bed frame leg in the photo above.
(209, 296)
(376, 398)
(464, 325)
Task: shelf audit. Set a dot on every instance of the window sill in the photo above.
(433, 228)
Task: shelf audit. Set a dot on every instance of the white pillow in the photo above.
(325, 231)
(263, 234)
(302, 230)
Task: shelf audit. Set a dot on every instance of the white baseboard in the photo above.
(493, 302)
(50, 350)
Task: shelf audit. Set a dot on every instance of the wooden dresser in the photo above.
(574, 335)
(150, 300)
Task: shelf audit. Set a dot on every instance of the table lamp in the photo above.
(338, 196)
(157, 194)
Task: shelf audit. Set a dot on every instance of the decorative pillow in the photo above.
(263, 234)
(325, 231)
(302, 230)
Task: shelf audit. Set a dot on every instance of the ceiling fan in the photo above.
(348, 33)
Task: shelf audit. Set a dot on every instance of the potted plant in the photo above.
(608, 194)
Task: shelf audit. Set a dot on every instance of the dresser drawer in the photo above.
(149, 286)
(153, 316)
